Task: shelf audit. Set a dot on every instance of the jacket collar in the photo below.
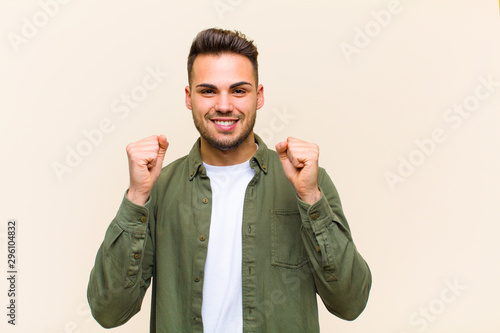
(261, 157)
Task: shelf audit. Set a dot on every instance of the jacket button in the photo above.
(197, 279)
(314, 216)
(137, 256)
(202, 238)
(143, 219)
(205, 200)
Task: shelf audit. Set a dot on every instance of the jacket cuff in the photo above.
(131, 217)
(317, 216)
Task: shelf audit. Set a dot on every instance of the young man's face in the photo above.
(224, 98)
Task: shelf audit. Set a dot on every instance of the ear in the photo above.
(187, 90)
(260, 96)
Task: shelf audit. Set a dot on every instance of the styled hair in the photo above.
(216, 41)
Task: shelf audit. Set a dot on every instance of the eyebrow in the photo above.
(241, 83)
(234, 85)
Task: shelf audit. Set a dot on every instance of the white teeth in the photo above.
(224, 123)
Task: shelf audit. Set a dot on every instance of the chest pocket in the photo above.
(287, 249)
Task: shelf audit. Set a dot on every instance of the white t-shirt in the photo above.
(222, 307)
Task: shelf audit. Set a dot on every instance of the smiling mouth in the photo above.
(225, 125)
(224, 122)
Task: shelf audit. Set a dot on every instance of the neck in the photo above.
(217, 157)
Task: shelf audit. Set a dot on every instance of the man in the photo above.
(236, 237)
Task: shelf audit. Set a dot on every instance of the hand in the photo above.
(145, 159)
(300, 163)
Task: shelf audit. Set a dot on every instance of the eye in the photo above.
(239, 91)
(207, 91)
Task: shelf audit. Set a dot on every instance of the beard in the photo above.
(227, 141)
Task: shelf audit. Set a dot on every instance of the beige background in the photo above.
(366, 110)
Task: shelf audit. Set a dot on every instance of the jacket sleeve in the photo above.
(123, 267)
(342, 277)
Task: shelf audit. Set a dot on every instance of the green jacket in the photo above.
(291, 251)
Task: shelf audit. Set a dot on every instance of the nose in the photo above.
(223, 103)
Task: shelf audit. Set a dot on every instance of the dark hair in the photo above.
(218, 41)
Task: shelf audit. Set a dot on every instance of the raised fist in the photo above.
(145, 159)
(300, 163)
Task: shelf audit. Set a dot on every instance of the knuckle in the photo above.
(130, 148)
